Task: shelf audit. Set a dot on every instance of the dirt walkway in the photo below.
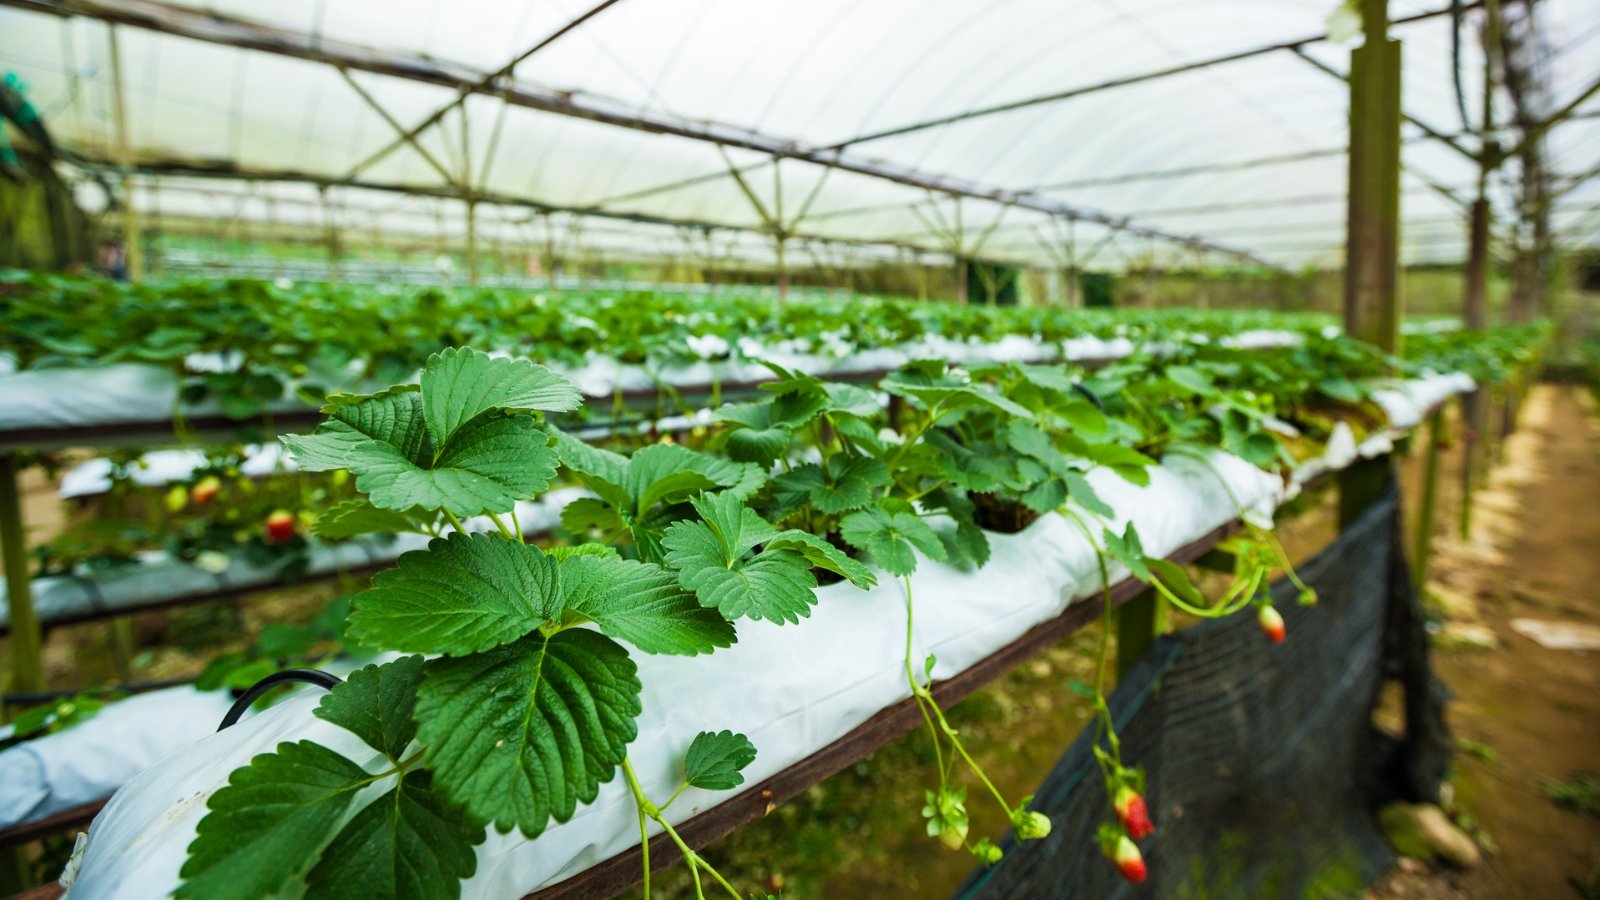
(1525, 715)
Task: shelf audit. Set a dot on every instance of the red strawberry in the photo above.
(1271, 623)
(1134, 814)
(280, 526)
(1129, 861)
(205, 490)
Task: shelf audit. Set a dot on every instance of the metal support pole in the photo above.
(133, 259)
(1422, 541)
(27, 640)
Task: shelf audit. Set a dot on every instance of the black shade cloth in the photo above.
(1262, 763)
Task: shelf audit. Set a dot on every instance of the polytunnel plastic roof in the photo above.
(1248, 154)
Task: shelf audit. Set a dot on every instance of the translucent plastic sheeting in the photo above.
(792, 689)
(826, 75)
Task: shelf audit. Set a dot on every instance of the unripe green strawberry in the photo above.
(987, 853)
(1030, 825)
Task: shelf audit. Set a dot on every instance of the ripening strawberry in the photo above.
(280, 526)
(1125, 855)
(1133, 813)
(1271, 623)
(205, 490)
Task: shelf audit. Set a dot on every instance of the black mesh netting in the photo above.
(1263, 767)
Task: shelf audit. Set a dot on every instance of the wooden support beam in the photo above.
(1371, 298)
(1372, 301)
(27, 639)
(1138, 622)
(1422, 540)
(133, 247)
(1474, 313)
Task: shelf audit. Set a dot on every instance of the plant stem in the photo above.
(971, 764)
(640, 803)
(647, 808)
(919, 693)
(454, 522)
(504, 530)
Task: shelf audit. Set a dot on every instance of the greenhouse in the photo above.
(689, 448)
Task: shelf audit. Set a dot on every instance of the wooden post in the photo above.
(133, 258)
(1372, 303)
(1475, 306)
(1371, 298)
(783, 270)
(1422, 541)
(472, 242)
(27, 639)
(1138, 622)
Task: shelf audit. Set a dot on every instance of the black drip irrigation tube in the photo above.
(307, 676)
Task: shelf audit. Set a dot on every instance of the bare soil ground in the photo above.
(1523, 715)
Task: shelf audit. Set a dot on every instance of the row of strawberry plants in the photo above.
(196, 530)
(270, 338)
(1320, 366)
(519, 698)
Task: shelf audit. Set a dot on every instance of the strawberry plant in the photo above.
(528, 701)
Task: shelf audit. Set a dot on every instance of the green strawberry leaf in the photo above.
(266, 828)
(1083, 493)
(643, 604)
(715, 759)
(823, 555)
(488, 464)
(525, 732)
(459, 384)
(1127, 549)
(587, 514)
(890, 537)
(762, 446)
(357, 517)
(712, 558)
(1177, 580)
(393, 417)
(1125, 461)
(375, 704)
(410, 844)
(464, 594)
(1191, 379)
(852, 484)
